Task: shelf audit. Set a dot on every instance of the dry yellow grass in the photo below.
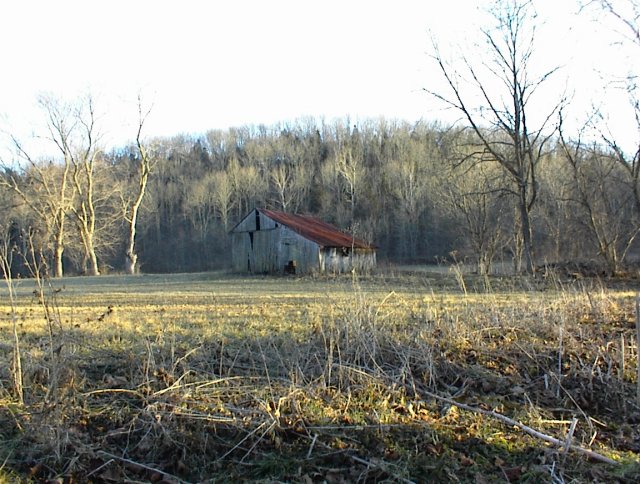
(209, 376)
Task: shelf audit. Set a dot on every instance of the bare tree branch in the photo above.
(500, 119)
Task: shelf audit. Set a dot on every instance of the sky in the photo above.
(206, 65)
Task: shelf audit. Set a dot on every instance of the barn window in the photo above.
(257, 220)
(251, 239)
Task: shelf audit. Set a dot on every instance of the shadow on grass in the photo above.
(340, 403)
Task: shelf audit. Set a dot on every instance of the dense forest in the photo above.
(401, 186)
(505, 187)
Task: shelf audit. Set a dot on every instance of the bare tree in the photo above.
(343, 172)
(80, 147)
(248, 184)
(282, 182)
(131, 207)
(45, 186)
(290, 183)
(350, 169)
(222, 197)
(500, 116)
(202, 202)
(556, 213)
(474, 196)
(626, 15)
(600, 182)
(408, 185)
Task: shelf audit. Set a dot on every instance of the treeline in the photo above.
(508, 186)
(420, 192)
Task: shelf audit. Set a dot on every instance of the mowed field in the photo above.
(394, 377)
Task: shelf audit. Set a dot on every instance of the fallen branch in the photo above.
(525, 428)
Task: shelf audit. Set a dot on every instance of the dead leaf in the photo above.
(433, 449)
(466, 460)
(512, 473)
(35, 470)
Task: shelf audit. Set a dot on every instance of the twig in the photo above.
(242, 441)
(182, 412)
(567, 444)
(313, 443)
(622, 356)
(509, 421)
(114, 390)
(99, 467)
(255, 444)
(560, 350)
(202, 384)
(175, 385)
(380, 465)
(15, 418)
(557, 378)
(9, 455)
(142, 466)
(384, 427)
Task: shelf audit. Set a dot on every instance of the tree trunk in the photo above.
(131, 258)
(94, 271)
(92, 258)
(525, 227)
(144, 169)
(58, 252)
(131, 263)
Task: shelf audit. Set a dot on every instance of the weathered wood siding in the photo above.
(242, 259)
(271, 248)
(295, 248)
(335, 260)
(262, 245)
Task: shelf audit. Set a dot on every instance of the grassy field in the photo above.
(396, 377)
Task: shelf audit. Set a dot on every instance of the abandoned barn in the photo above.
(267, 241)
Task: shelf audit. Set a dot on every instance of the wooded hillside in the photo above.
(403, 186)
(507, 183)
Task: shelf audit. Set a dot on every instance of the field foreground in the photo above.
(397, 378)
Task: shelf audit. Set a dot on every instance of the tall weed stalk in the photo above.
(6, 260)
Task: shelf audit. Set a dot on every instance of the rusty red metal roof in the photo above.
(322, 233)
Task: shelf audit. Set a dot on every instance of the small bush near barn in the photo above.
(394, 377)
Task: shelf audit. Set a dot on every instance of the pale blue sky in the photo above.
(215, 64)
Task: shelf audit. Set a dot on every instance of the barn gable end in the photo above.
(267, 241)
